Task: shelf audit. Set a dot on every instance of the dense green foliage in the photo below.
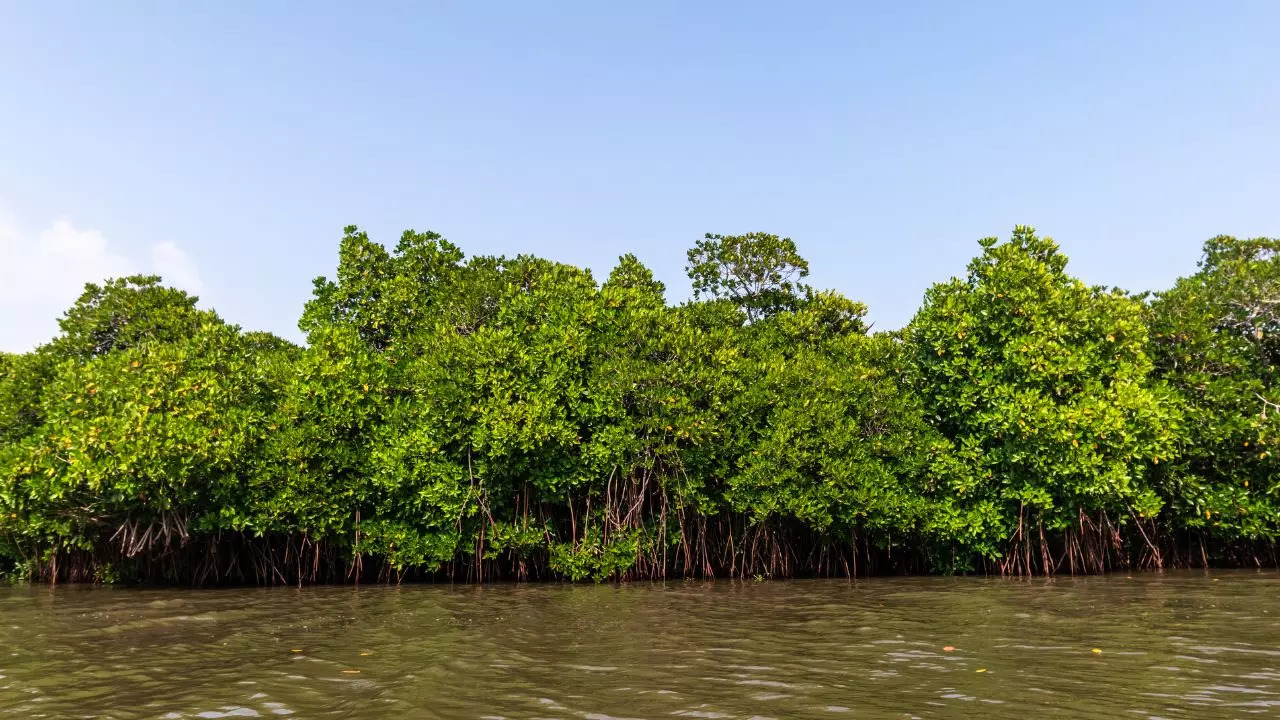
(1216, 339)
(1044, 386)
(493, 417)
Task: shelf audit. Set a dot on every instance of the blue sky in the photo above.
(227, 145)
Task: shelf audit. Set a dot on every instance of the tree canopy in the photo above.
(512, 417)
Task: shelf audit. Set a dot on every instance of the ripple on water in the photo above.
(1173, 646)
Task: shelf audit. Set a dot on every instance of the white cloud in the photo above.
(41, 275)
(175, 267)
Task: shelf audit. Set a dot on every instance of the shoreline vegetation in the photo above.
(490, 418)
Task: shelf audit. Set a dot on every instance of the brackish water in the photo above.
(1172, 646)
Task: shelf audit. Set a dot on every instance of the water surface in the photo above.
(1172, 646)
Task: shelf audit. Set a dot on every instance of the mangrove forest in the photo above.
(512, 418)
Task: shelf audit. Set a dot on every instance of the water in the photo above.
(1172, 646)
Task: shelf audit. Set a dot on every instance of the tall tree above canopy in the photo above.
(759, 272)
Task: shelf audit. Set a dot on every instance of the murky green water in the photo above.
(1172, 646)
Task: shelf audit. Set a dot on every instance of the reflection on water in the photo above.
(1172, 646)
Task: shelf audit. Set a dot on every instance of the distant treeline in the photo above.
(512, 418)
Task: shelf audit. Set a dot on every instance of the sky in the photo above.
(225, 145)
